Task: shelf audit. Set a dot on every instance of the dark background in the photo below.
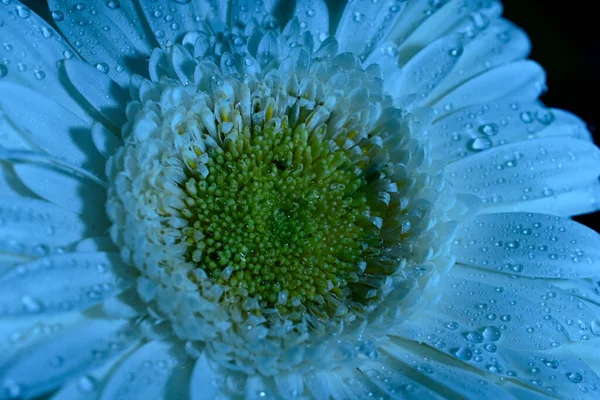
(564, 42)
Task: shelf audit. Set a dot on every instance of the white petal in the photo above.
(424, 22)
(429, 67)
(566, 124)
(340, 384)
(66, 190)
(95, 244)
(243, 11)
(519, 81)
(10, 184)
(454, 135)
(203, 381)
(50, 127)
(144, 374)
(526, 170)
(88, 386)
(445, 377)
(498, 44)
(105, 141)
(570, 314)
(365, 24)
(48, 363)
(289, 385)
(126, 305)
(534, 245)
(36, 228)
(396, 383)
(169, 20)
(581, 199)
(560, 372)
(36, 49)
(313, 16)
(112, 38)
(61, 283)
(103, 94)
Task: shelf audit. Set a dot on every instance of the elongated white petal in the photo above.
(103, 94)
(484, 126)
(169, 20)
(394, 381)
(62, 283)
(145, 373)
(519, 81)
(527, 244)
(498, 44)
(289, 385)
(424, 22)
(566, 124)
(10, 184)
(445, 377)
(526, 170)
(50, 127)
(95, 244)
(35, 228)
(89, 385)
(48, 363)
(313, 16)
(66, 190)
(35, 53)
(365, 24)
(105, 141)
(113, 40)
(429, 67)
(126, 305)
(204, 377)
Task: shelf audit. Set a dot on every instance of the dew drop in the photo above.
(489, 129)
(23, 12)
(492, 333)
(474, 337)
(47, 33)
(464, 353)
(479, 144)
(39, 75)
(113, 4)
(456, 52)
(358, 17)
(102, 67)
(574, 377)
(526, 117)
(452, 325)
(86, 384)
(31, 305)
(58, 15)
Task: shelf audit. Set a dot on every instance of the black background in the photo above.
(565, 43)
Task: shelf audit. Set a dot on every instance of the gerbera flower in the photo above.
(257, 199)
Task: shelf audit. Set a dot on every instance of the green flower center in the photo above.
(278, 217)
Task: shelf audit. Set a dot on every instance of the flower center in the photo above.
(277, 217)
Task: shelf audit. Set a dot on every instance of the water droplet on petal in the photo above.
(113, 4)
(58, 15)
(489, 129)
(464, 353)
(575, 377)
(479, 144)
(102, 67)
(23, 12)
(492, 333)
(86, 384)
